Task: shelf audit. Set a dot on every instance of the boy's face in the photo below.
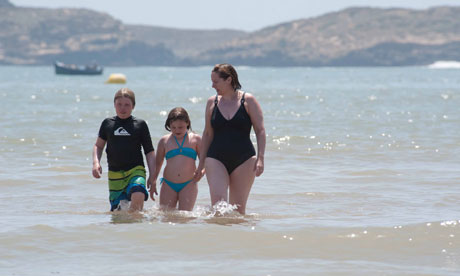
(123, 107)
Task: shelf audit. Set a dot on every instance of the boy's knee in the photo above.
(140, 192)
(137, 196)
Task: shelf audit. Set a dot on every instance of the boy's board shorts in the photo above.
(122, 184)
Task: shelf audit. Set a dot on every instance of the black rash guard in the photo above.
(124, 140)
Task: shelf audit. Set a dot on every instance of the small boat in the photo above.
(73, 69)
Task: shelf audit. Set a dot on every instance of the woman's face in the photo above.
(219, 83)
(123, 107)
(178, 128)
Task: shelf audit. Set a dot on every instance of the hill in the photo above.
(40, 36)
(355, 36)
(351, 37)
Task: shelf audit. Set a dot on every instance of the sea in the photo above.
(362, 175)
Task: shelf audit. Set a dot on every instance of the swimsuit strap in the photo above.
(180, 146)
(242, 98)
(215, 101)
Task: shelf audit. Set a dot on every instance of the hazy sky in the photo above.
(248, 15)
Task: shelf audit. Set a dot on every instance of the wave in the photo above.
(445, 64)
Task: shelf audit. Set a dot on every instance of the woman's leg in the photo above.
(168, 197)
(187, 196)
(218, 180)
(241, 180)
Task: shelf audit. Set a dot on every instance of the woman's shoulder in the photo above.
(211, 99)
(247, 95)
(249, 99)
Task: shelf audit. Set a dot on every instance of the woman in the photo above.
(227, 155)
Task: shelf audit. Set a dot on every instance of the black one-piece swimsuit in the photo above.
(232, 144)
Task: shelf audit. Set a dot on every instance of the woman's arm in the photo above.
(206, 139)
(198, 143)
(257, 119)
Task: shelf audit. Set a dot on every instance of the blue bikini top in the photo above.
(189, 152)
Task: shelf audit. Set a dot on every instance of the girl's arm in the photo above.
(257, 119)
(159, 157)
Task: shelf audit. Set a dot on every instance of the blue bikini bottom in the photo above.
(175, 186)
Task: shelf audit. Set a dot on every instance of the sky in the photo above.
(246, 15)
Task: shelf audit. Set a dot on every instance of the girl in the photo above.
(180, 148)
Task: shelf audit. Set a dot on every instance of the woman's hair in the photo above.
(177, 113)
(225, 70)
(125, 93)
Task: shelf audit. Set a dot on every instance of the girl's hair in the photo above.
(125, 93)
(225, 70)
(177, 113)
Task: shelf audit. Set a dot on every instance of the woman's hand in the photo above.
(198, 174)
(259, 166)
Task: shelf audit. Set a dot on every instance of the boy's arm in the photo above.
(150, 157)
(97, 154)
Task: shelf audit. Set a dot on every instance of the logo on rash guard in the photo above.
(121, 132)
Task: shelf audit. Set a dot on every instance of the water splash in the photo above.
(223, 209)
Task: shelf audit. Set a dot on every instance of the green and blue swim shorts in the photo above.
(122, 184)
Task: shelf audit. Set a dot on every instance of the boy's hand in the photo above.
(152, 187)
(97, 170)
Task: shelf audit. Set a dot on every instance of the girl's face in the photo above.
(219, 83)
(178, 128)
(123, 107)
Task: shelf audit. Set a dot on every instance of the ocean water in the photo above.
(362, 176)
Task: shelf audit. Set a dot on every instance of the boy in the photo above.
(124, 135)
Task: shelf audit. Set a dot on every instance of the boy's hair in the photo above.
(125, 93)
(225, 70)
(177, 113)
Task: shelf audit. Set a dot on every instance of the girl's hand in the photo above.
(152, 187)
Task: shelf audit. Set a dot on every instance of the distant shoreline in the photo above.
(358, 37)
(442, 64)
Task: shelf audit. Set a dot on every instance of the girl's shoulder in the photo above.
(194, 137)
